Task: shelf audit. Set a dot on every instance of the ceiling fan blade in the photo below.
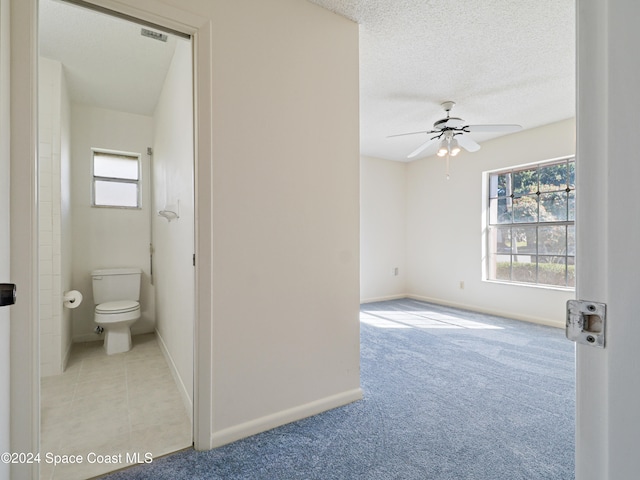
(423, 147)
(468, 143)
(412, 133)
(493, 128)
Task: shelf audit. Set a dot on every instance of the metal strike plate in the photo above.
(586, 322)
(7, 294)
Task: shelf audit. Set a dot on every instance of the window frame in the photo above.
(491, 253)
(95, 178)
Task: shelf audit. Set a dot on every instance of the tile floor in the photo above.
(112, 406)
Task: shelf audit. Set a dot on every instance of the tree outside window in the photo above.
(531, 231)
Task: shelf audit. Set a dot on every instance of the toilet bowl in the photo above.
(116, 318)
(116, 293)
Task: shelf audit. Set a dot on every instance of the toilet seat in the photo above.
(120, 306)
(115, 313)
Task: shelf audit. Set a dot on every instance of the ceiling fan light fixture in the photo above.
(443, 149)
(454, 148)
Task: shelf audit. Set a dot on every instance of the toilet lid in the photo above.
(120, 306)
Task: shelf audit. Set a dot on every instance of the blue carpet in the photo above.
(448, 395)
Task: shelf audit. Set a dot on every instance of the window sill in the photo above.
(531, 285)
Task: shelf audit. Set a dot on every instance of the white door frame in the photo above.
(25, 378)
(608, 223)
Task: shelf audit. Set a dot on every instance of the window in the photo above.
(531, 224)
(116, 179)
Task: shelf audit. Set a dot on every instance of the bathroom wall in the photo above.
(173, 271)
(54, 218)
(108, 237)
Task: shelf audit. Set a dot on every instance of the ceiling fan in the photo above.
(453, 134)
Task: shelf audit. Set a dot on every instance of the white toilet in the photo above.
(116, 293)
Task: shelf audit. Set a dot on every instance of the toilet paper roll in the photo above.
(72, 298)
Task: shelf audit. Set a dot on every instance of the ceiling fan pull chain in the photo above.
(448, 165)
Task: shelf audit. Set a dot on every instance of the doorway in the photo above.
(128, 92)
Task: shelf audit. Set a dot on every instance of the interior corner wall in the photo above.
(173, 241)
(383, 206)
(108, 237)
(445, 227)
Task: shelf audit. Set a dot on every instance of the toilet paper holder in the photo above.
(72, 299)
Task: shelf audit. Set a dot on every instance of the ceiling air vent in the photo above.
(155, 35)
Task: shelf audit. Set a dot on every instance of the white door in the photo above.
(23, 391)
(4, 233)
(608, 222)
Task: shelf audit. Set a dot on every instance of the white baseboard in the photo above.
(184, 393)
(268, 422)
(383, 299)
(65, 357)
(88, 337)
(499, 313)
(94, 337)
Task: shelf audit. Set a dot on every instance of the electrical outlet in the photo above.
(461, 284)
(395, 271)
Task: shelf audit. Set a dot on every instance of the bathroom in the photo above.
(81, 113)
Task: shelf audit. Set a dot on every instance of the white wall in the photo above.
(173, 241)
(4, 234)
(66, 231)
(285, 213)
(383, 206)
(445, 226)
(108, 237)
(54, 221)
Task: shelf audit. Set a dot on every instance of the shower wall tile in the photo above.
(52, 95)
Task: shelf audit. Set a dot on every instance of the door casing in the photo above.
(24, 388)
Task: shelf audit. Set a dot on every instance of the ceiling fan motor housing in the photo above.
(449, 122)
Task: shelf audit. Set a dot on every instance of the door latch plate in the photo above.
(586, 322)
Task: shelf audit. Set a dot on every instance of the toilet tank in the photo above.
(113, 284)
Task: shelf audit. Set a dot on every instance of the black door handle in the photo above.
(7, 294)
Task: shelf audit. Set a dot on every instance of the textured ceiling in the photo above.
(501, 61)
(107, 63)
